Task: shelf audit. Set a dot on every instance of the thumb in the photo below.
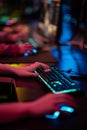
(33, 74)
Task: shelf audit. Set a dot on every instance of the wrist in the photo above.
(28, 110)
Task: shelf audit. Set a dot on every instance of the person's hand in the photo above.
(25, 47)
(3, 48)
(7, 29)
(35, 65)
(51, 103)
(20, 28)
(16, 37)
(28, 70)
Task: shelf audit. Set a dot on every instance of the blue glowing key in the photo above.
(34, 51)
(55, 115)
(26, 54)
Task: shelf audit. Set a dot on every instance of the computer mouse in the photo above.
(65, 110)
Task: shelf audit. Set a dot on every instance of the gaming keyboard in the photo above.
(56, 80)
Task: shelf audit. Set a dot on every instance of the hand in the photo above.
(20, 28)
(16, 37)
(50, 103)
(3, 48)
(25, 47)
(28, 70)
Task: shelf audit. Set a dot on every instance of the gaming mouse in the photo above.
(65, 110)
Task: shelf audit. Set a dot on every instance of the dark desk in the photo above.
(43, 56)
(29, 89)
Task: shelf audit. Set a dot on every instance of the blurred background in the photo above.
(30, 25)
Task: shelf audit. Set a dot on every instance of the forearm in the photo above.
(7, 69)
(13, 111)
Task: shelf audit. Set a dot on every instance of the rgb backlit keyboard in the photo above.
(57, 81)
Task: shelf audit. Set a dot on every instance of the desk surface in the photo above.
(29, 89)
(44, 56)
